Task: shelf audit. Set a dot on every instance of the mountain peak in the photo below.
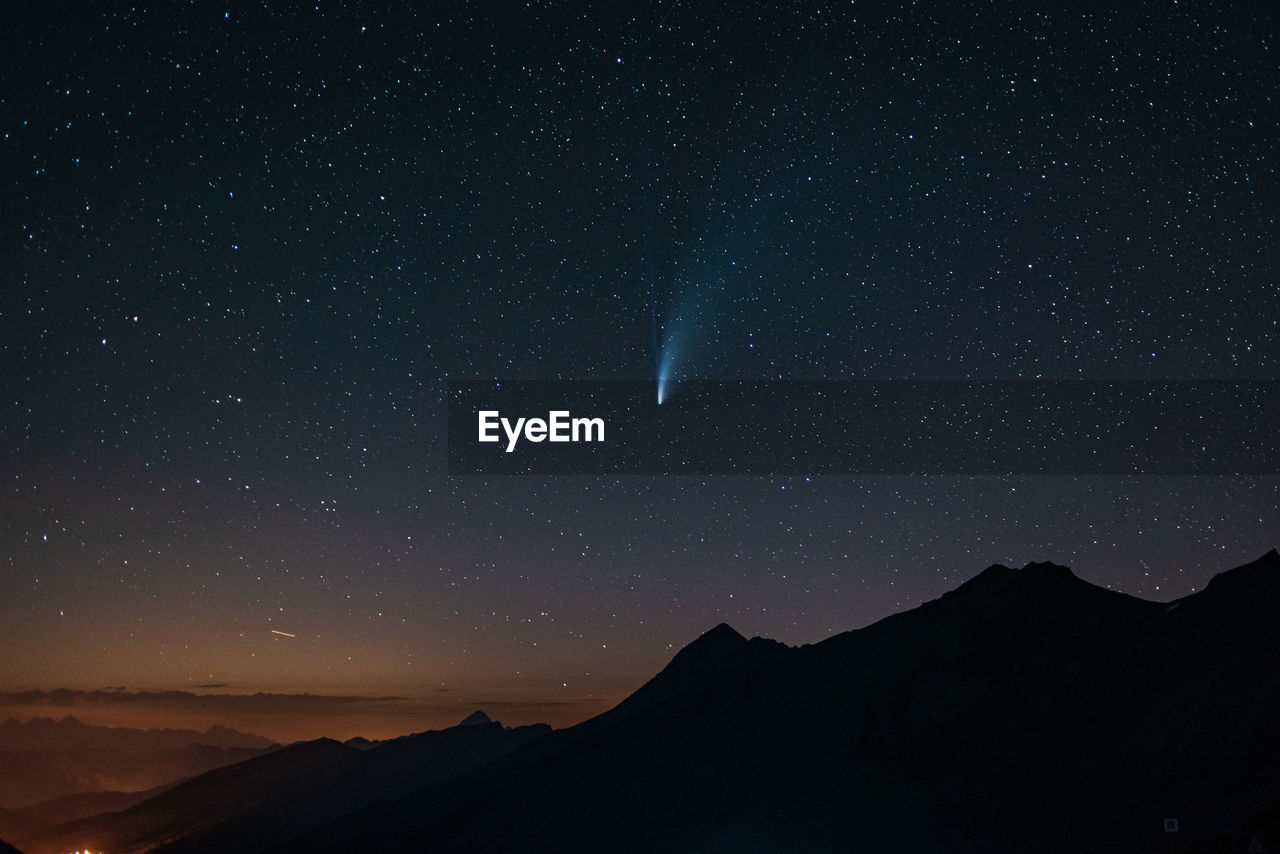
(476, 718)
(1035, 574)
(713, 654)
(710, 648)
(1048, 570)
(1045, 566)
(721, 637)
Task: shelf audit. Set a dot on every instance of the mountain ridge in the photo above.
(284, 793)
(1024, 709)
(992, 718)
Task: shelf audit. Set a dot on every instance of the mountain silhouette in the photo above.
(1025, 710)
(710, 657)
(715, 653)
(69, 808)
(291, 774)
(32, 777)
(285, 793)
(476, 718)
(45, 759)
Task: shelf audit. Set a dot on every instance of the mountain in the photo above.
(713, 655)
(282, 794)
(47, 759)
(6, 848)
(1025, 710)
(36, 776)
(476, 718)
(69, 808)
(292, 773)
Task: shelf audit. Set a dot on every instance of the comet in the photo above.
(282, 634)
(667, 366)
(678, 337)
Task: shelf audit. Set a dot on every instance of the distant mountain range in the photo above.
(1027, 710)
(46, 760)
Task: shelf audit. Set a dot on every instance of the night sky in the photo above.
(244, 249)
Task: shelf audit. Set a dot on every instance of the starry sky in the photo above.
(246, 246)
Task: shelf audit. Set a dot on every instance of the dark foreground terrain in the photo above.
(1026, 710)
